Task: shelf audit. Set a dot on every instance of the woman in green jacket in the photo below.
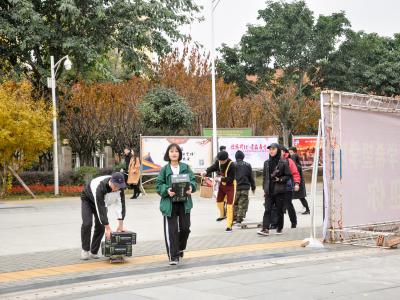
(176, 212)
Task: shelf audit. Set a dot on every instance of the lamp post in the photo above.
(214, 4)
(52, 85)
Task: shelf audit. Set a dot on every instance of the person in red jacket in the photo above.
(296, 181)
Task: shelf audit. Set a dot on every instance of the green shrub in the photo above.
(84, 174)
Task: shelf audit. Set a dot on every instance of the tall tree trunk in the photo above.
(285, 135)
(3, 180)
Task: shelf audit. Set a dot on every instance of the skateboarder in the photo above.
(226, 172)
(100, 195)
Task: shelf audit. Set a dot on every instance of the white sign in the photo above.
(254, 148)
(197, 152)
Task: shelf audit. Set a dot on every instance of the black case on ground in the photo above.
(120, 244)
(122, 238)
(109, 250)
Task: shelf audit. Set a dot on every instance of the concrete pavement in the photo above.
(54, 224)
(40, 258)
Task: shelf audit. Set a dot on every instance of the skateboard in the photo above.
(250, 225)
(116, 259)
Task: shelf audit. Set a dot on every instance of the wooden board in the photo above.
(393, 242)
(249, 225)
(116, 259)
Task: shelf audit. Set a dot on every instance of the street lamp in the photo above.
(214, 4)
(52, 85)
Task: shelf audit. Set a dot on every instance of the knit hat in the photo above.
(223, 155)
(239, 155)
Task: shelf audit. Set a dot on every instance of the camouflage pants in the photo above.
(241, 204)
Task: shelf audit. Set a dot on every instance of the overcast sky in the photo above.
(232, 16)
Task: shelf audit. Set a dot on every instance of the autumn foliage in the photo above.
(100, 113)
(25, 128)
(108, 113)
(189, 74)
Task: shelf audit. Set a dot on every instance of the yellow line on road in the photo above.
(67, 269)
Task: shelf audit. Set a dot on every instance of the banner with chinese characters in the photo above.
(305, 149)
(361, 160)
(254, 148)
(197, 152)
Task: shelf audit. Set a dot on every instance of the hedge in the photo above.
(74, 178)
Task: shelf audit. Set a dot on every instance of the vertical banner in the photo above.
(305, 149)
(361, 160)
(254, 148)
(197, 152)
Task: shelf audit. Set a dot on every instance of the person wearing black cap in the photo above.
(245, 181)
(226, 172)
(100, 195)
(276, 182)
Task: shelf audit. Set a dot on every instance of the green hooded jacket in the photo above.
(164, 183)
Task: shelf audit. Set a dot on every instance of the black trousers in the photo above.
(136, 190)
(304, 203)
(274, 200)
(176, 230)
(88, 212)
(290, 208)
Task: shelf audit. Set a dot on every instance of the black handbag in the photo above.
(279, 188)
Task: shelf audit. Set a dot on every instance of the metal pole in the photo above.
(324, 177)
(214, 101)
(314, 179)
(55, 148)
(312, 241)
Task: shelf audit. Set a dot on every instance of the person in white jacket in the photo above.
(100, 195)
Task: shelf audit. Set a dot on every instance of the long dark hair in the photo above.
(136, 155)
(166, 155)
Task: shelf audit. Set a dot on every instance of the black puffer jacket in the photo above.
(283, 173)
(244, 176)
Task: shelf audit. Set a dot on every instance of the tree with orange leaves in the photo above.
(100, 113)
(189, 74)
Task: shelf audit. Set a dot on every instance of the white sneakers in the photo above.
(85, 255)
(173, 262)
(94, 256)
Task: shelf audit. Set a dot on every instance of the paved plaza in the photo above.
(41, 258)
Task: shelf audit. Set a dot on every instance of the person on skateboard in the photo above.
(226, 175)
